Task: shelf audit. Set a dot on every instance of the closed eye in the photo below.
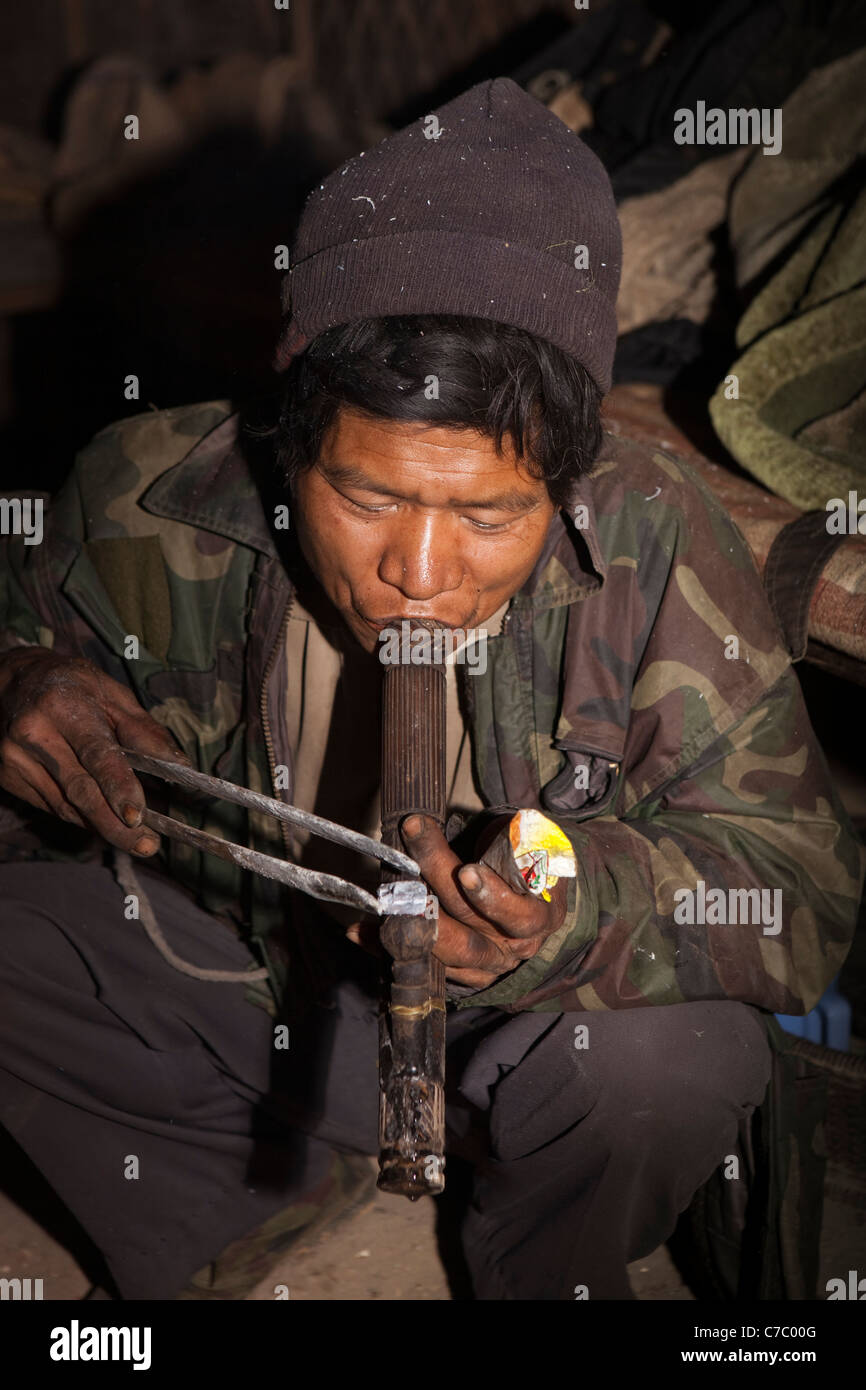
(369, 510)
(359, 507)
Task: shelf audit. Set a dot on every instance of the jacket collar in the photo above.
(213, 488)
(571, 564)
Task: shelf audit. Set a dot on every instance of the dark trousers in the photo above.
(162, 1114)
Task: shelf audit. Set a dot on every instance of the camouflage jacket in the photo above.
(639, 694)
(640, 659)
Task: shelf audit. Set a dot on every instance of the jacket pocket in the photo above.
(586, 786)
(85, 590)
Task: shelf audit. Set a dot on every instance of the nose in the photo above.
(421, 557)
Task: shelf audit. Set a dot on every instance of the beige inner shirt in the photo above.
(333, 723)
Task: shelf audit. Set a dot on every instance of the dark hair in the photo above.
(489, 376)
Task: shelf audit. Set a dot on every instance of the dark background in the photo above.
(156, 257)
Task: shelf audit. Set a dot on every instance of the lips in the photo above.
(378, 625)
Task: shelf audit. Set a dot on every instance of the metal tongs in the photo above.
(402, 896)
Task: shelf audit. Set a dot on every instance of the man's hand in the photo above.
(62, 724)
(485, 928)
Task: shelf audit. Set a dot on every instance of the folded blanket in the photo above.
(837, 610)
(792, 407)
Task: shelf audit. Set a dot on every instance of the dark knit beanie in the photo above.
(494, 209)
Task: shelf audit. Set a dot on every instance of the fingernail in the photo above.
(412, 827)
(131, 814)
(146, 845)
(471, 879)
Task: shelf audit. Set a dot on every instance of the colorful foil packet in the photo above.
(536, 855)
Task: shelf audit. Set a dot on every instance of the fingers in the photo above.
(476, 979)
(80, 781)
(518, 915)
(76, 687)
(458, 945)
(44, 760)
(108, 772)
(486, 928)
(483, 948)
(38, 789)
(130, 727)
(471, 893)
(461, 946)
(365, 934)
(464, 937)
(136, 730)
(63, 722)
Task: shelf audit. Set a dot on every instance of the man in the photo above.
(437, 455)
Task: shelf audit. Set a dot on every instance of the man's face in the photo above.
(403, 521)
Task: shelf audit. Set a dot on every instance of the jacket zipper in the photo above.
(277, 648)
